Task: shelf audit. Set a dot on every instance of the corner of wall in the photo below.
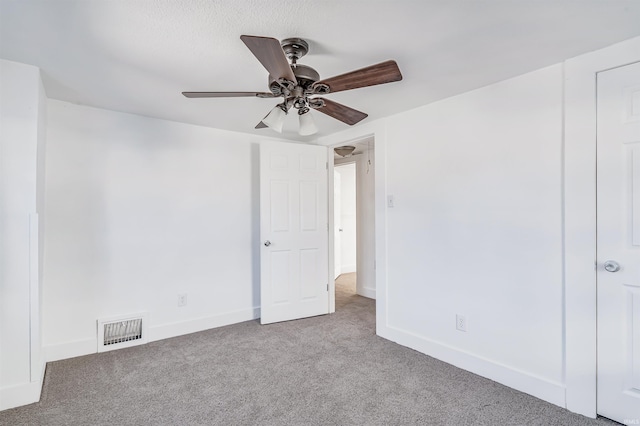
(24, 393)
(23, 113)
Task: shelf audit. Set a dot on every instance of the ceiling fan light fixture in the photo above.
(307, 124)
(275, 118)
(344, 151)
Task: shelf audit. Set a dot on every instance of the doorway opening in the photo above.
(354, 223)
(345, 226)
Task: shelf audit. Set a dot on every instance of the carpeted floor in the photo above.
(328, 370)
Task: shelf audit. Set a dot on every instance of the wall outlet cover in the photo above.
(182, 299)
(461, 323)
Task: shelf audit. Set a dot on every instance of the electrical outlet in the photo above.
(182, 299)
(461, 322)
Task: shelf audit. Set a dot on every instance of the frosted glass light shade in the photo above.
(307, 124)
(275, 119)
(344, 151)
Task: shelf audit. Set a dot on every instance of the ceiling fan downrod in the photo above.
(294, 48)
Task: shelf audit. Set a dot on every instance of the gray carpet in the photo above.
(329, 370)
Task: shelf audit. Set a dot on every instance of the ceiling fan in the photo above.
(299, 85)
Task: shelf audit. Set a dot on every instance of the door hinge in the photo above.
(327, 286)
(326, 165)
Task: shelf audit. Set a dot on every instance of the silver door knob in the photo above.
(611, 266)
(267, 243)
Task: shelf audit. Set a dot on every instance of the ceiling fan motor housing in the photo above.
(295, 48)
(305, 75)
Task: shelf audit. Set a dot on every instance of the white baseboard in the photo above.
(547, 390)
(70, 349)
(165, 331)
(347, 269)
(367, 292)
(157, 332)
(22, 394)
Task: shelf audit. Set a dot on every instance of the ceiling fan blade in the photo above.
(261, 125)
(270, 54)
(228, 94)
(384, 72)
(341, 112)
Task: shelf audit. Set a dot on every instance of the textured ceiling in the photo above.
(138, 55)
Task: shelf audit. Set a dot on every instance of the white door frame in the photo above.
(332, 166)
(377, 131)
(580, 218)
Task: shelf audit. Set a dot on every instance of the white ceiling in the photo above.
(138, 55)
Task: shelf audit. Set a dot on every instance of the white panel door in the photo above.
(294, 231)
(618, 245)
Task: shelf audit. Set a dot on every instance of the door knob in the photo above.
(611, 266)
(267, 243)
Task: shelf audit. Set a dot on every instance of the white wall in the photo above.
(22, 143)
(477, 228)
(138, 211)
(348, 217)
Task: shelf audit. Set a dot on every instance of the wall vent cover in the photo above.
(121, 332)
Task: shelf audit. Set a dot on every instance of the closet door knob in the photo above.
(611, 266)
